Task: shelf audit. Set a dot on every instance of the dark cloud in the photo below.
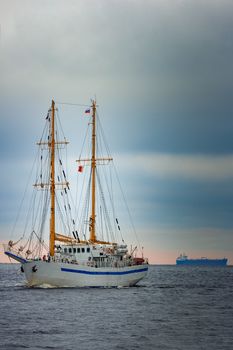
(173, 203)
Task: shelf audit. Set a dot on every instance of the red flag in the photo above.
(80, 168)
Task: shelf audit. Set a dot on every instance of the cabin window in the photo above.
(83, 250)
(70, 250)
(65, 250)
(74, 250)
(78, 250)
(88, 250)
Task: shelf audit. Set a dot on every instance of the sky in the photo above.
(162, 73)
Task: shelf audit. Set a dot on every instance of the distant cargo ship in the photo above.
(184, 260)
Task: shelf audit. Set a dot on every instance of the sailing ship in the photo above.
(72, 259)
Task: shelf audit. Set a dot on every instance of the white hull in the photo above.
(72, 275)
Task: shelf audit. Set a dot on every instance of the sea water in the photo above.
(173, 308)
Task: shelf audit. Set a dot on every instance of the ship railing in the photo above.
(100, 264)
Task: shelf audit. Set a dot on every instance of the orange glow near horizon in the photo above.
(158, 257)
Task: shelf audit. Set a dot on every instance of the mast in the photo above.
(52, 182)
(93, 173)
(93, 161)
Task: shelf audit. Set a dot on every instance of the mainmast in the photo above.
(52, 182)
(93, 162)
(93, 173)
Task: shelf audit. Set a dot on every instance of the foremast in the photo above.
(93, 173)
(53, 236)
(52, 143)
(52, 182)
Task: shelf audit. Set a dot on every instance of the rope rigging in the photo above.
(77, 225)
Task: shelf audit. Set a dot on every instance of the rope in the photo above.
(127, 208)
(72, 104)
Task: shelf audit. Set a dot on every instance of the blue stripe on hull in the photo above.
(103, 272)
